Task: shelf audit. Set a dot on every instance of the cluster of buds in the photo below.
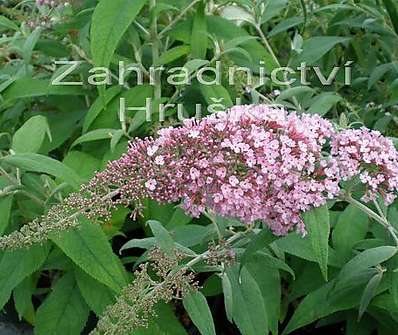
(136, 303)
(220, 253)
(43, 22)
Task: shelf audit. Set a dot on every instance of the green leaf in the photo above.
(98, 106)
(23, 299)
(269, 282)
(309, 278)
(141, 243)
(295, 92)
(88, 247)
(380, 71)
(228, 297)
(317, 305)
(317, 224)
(44, 164)
(172, 54)
(369, 293)
(29, 45)
(7, 23)
(315, 47)
(178, 219)
(271, 262)
(16, 265)
(248, 310)
(362, 262)
(226, 30)
(134, 97)
(190, 235)
(163, 237)
(96, 294)
(393, 13)
(5, 207)
(30, 137)
(94, 135)
(109, 23)
(164, 323)
(199, 33)
(29, 88)
(198, 310)
(365, 327)
(351, 228)
(322, 103)
(257, 242)
(272, 8)
(194, 65)
(64, 310)
(285, 24)
(216, 94)
(82, 163)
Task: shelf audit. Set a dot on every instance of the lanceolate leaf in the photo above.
(392, 10)
(317, 305)
(351, 227)
(362, 262)
(97, 106)
(248, 311)
(317, 223)
(110, 21)
(163, 237)
(199, 33)
(44, 164)
(28, 88)
(172, 54)
(315, 47)
(89, 248)
(268, 280)
(369, 293)
(16, 265)
(228, 298)
(257, 242)
(22, 295)
(64, 310)
(198, 310)
(94, 135)
(96, 294)
(30, 136)
(5, 207)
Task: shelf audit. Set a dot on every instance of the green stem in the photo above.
(213, 219)
(155, 50)
(380, 219)
(178, 17)
(275, 59)
(202, 256)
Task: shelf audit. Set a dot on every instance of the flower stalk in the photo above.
(137, 301)
(155, 49)
(381, 219)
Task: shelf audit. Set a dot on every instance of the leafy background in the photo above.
(341, 278)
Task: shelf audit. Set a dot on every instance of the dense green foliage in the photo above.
(54, 137)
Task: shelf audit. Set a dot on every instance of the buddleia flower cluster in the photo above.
(135, 305)
(253, 162)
